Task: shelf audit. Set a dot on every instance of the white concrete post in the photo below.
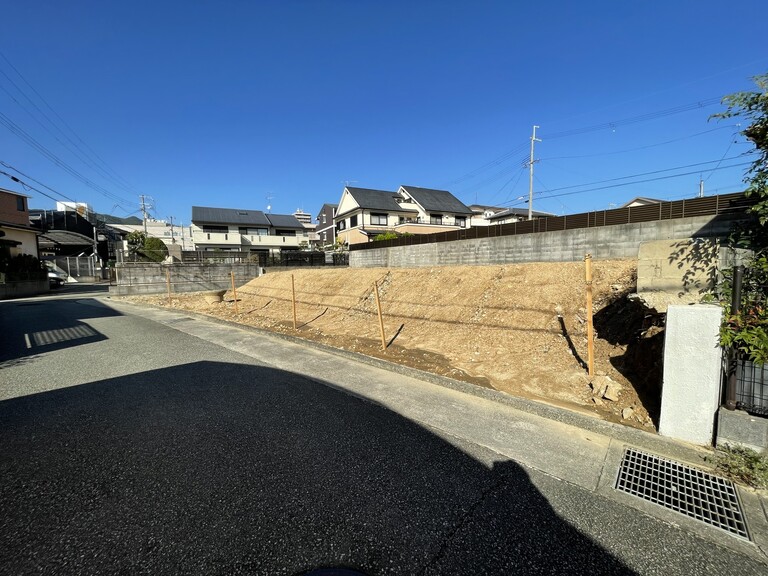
(690, 393)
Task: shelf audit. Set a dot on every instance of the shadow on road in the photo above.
(217, 468)
(33, 327)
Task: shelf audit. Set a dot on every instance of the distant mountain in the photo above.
(107, 219)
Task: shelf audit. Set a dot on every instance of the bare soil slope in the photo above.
(520, 328)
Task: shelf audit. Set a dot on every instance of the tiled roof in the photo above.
(376, 199)
(205, 215)
(284, 221)
(437, 200)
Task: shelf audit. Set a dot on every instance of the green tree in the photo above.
(747, 331)
(144, 248)
(155, 250)
(753, 108)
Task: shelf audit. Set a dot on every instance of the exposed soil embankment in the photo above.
(519, 328)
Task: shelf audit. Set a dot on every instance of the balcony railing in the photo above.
(236, 239)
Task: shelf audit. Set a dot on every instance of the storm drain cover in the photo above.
(683, 489)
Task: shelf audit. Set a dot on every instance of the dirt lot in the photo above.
(520, 329)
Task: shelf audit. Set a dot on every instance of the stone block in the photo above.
(736, 427)
(690, 393)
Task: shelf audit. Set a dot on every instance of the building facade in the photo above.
(364, 213)
(17, 236)
(253, 231)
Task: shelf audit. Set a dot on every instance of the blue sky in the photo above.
(243, 104)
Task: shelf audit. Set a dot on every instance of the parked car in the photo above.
(55, 278)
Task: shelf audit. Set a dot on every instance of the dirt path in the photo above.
(520, 328)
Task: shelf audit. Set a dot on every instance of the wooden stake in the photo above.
(234, 290)
(590, 329)
(381, 319)
(168, 285)
(293, 292)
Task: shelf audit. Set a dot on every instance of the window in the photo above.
(353, 221)
(248, 231)
(20, 203)
(340, 225)
(461, 221)
(435, 218)
(378, 219)
(215, 229)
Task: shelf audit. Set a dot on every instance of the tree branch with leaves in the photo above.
(747, 330)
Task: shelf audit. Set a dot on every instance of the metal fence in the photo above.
(752, 387)
(80, 267)
(710, 205)
(745, 380)
(286, 258)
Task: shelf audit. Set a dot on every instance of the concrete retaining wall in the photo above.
(150, 278)
(605, 242)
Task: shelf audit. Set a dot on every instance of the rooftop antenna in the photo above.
(269, 203)
(348, 182)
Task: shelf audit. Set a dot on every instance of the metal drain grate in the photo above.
(683, 489)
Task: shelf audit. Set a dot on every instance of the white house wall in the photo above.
(28, 241)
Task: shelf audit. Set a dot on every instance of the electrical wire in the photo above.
(30, 187)
(635, 182)
(34, 144)
(646, 173)
(105, 169)
(632, 120)
(634, 149)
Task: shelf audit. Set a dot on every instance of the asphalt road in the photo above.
(129, 447)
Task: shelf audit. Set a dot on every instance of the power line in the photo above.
(105, 169)
(635, 149)
(23, 135)
(34, 180)
(634, 119)
(487, 165)
(30, 187)
(593, 128)
(635, 182)
(647, 173)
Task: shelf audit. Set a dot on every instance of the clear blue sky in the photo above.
(227, 103)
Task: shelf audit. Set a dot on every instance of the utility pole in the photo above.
(173, 236)
(530, 182)
(144, 211)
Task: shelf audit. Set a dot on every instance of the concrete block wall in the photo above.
(150, 278)
(605, 242)
(21, 289)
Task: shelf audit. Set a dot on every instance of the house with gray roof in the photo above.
(364, 213)
(326, 235)
(244, 230)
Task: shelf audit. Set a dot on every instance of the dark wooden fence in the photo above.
(707, 206)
